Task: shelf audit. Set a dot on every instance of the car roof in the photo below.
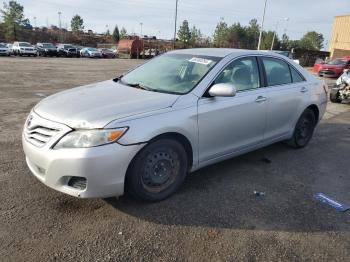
(222, 52)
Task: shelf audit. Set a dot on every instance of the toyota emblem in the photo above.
(29, 121)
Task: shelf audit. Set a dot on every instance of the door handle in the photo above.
(260, 99)
(303, 89)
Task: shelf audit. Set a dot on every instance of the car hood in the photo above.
(325, 66)
(95, 105)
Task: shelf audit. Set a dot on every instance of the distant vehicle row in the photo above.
(49, 49)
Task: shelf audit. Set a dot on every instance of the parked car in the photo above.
(178, 112)
(107, 53)
(9, 46)
(90, 52)
(46, 49)
(23, 48)
(4, 50)
(332, 68)
(67, 50)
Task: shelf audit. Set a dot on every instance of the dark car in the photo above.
(67, 50)
(107, 53)
(46, 49)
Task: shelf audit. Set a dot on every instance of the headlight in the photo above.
(90, 138)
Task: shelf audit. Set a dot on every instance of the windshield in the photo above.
(25, 44)
(48, 45)
(171, 73)
(92, 49)
(337, 62)
(68, 46)
(2, 45)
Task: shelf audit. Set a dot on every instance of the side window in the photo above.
(296, 76)
(277, 71)
(242, 73)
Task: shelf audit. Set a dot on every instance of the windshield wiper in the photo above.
(139, 86)
(117, 79)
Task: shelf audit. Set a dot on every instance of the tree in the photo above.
(123, 33)
(312, 41)
(13, 17)
(284, 42)
(184, 33)
(195, 36)
(267, 38)
(236, 36)
(77, 23)
(108, 33)
(116, 34)
(253, 30)
(220, 34)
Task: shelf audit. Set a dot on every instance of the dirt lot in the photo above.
(213, 217)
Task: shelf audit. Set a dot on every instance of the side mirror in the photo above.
(224, 89)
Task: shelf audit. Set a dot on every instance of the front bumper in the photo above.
(103, 167)
(27, 52)
(329, 73)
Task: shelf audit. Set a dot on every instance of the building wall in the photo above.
(340, 41)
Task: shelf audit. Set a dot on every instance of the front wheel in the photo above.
(334, 96)
(303, 130)
(157, 171)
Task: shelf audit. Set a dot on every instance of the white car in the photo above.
(90, 52)
(179, 112)
(23, 48)
(4, 50)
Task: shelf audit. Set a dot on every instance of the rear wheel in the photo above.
(157, 171)
(334, 96)
(303, 130)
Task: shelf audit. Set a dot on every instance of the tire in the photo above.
(157, 171)
(334, 96)
(303, 130)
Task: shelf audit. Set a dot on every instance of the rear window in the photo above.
(277, 71)
(24, 44)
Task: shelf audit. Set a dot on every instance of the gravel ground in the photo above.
(214, 217)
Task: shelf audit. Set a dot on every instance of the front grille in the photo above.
(77, 182)
(40, 135)
(39, 131)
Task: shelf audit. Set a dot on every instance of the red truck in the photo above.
(332, 68)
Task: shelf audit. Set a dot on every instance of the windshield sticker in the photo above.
(202, 61)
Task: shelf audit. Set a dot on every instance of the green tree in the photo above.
(77, 23)
(108, 33)
(236, 36)
(13, 19)
(252, 36)
(220, 34)
(284, 42)
(312, 41)
(266, 41)
(123, 33)
(184, 33)
(116, 34)
(195, 36)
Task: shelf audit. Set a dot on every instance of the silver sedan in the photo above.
(145, 131)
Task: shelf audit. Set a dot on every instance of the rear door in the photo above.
(287, 93)
(230, 124)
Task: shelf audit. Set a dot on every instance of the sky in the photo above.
(157, 16)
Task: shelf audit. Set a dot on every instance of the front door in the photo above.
(229, 124)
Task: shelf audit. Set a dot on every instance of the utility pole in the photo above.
(141, 24)
(60, 25)
(175, 23)
(59, 20)
(34, 21)
(262, 25)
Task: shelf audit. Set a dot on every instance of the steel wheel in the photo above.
(304, 129)
(157, 170)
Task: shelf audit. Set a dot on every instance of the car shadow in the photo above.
(222, 195)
